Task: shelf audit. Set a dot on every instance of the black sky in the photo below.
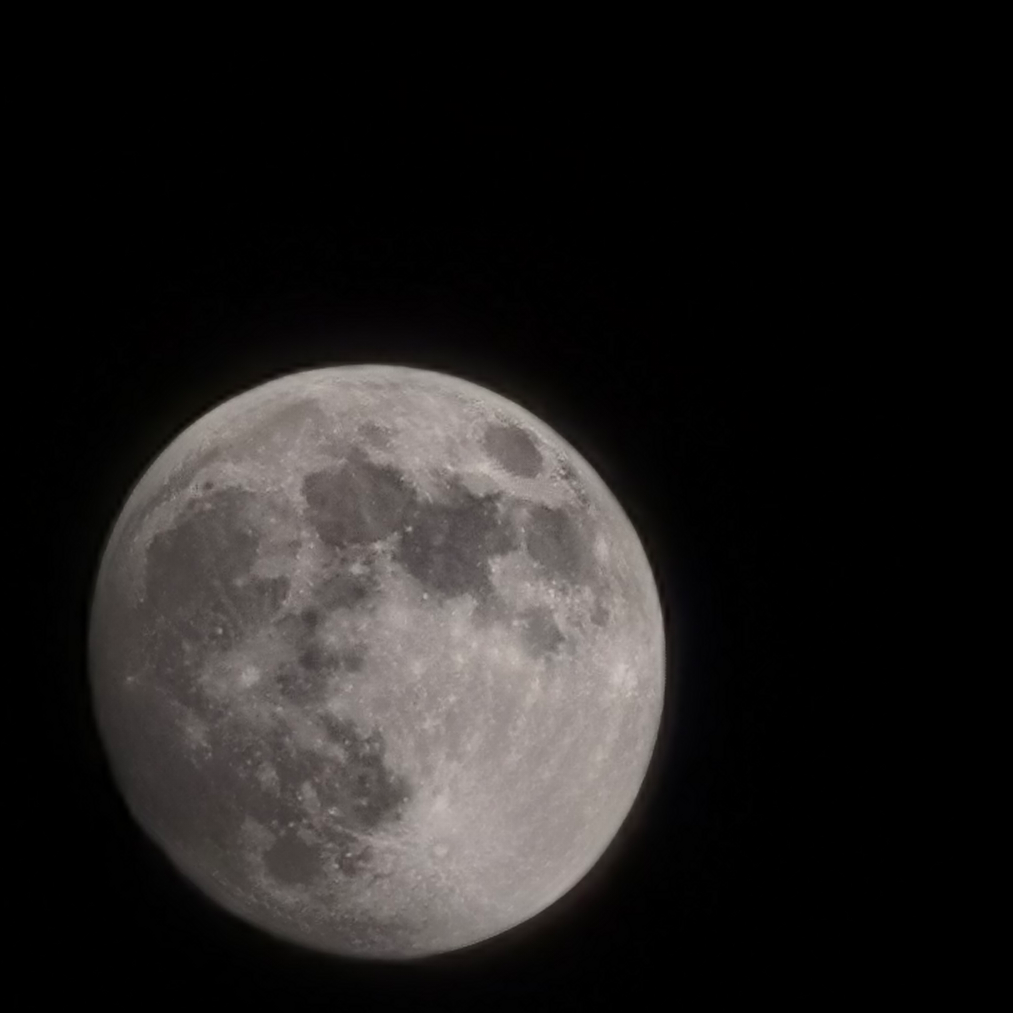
(656, 311)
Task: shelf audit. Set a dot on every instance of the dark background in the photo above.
(657, 314)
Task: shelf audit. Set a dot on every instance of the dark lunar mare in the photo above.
(555, 541)
(539, 630)
(366, 790)
(202, 599)
(345, 590)
(200, 590)
(356, 502)
(292, 860)
(303, 676)
(514, 449)
(447, 543)
(361, 794)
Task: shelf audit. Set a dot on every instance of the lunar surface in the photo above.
(377, 660)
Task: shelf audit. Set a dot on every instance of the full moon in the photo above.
(377, 660)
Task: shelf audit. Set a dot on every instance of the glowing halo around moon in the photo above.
(377, 660)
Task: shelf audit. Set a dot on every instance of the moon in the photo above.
(377, 660)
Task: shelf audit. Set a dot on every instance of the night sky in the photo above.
(654, 311)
